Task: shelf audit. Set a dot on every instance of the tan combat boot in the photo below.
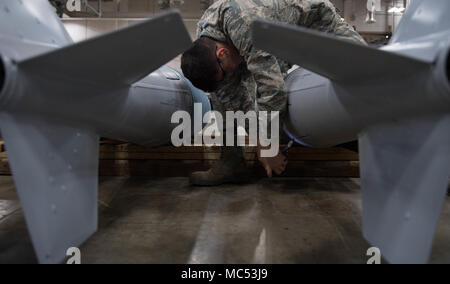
(231, 168)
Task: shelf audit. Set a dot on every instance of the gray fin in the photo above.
(337, 59)
(34, 21)
(423, 18)
(138, 50)
(405, 168)
(55, 170)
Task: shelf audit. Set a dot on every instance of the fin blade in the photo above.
(337, 59)
(404, 175)
(32, 21)
(55, 170)
(119, 58)
(423, 18)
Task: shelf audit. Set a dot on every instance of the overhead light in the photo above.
(396, 10)
(371, 8)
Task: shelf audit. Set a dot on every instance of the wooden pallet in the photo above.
(124, 159)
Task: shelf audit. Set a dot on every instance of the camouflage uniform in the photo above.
(262, 77)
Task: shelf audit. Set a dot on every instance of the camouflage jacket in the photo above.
(262, 77)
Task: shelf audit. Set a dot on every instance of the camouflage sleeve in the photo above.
(265, 68)
(271, 91)
(211, 23)
(322, 15)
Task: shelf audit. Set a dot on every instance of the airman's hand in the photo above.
(275, 164)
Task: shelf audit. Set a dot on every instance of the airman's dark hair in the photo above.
(199, 64)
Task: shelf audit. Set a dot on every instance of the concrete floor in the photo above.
(143, 220)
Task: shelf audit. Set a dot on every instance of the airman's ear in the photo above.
(221, 52)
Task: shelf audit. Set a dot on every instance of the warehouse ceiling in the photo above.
(355, 12)
(130, 8)
(189, 8)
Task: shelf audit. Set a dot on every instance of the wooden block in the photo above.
(173, 168)
(118, 158)
(4, 168)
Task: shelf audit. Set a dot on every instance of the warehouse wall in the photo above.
(81, 29)
(128, 12)
(354, 11)
(144, 8)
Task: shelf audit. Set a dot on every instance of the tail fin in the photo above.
(55, 165)
(423, 18)
(55, 170)
(138, 51)
(345, 62)
(32, 20)
(404, 175)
